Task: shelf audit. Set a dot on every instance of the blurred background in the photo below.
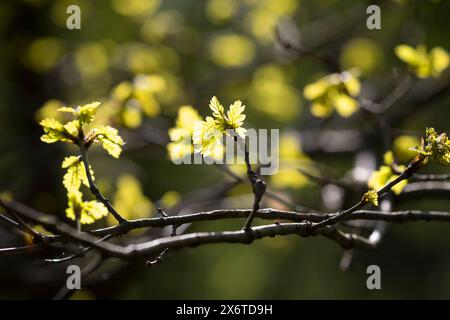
(143, 59)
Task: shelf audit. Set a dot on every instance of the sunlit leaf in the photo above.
(110, 139)
(87, 211)
(54, 131)
(76, 173)
(371, 196)
(129, 199)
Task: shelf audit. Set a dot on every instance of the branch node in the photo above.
(162, 212)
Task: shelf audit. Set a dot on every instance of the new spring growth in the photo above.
(435, 146)
(73, 132)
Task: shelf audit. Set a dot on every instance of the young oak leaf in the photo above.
(181, 135)
(130, 200)
(208, 134)
(87, 211)
(207, 138)
(236, 117)
(385, 174)
(216, 107)
(76, 173)
(370, 196)
(436, 146)
(337, 91)
(84, 114)
(110, 139)
(422, 63)
(55, 131)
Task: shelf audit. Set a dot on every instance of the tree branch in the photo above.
(94, 189)
(304, 228)
(258, 187)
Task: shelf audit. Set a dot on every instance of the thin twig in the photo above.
(301, 51)
(94, 189)
(24, 249)
(258, 187)
(431, 177)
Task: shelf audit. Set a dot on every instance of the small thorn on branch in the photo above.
(157, 260)
(162, 212)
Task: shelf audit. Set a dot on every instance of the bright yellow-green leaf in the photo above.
(436, 146)
(87, 211)
(110, 139)
(170, 199)
(131, 116)
(398, 188)
(362, 53)
(54, 131)
(402, 147)
(92, 211)
(440, 60)
(370, 196)
(231, 50)
(270, 85)
(290, 147)
(177, 134)
(76, 173)
(388, 157)
(314, 90)
(336, 91)
(72, 127)
(291, 159)
(151, 83)
(147, 102)
(422, 63)
(407, 53)
(288, 177)
(216, 107)
(208, 134)
(385, 175)
(235, 114)
(129, 199)
(179, 150)
(122, 91)
(351, 83)
(219, 11)
(321, 110)
(181, 135)
(345, 105)
(207, 137)
(84, 114)
(187, 117)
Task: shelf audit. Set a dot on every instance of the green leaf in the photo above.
(92, 211)
(436, 146)
(54, 131)
(87, 211)
(336, 91)
(129, 199)
(235, 114)
(76, 173)
(84, 114)
(216, 107)
(110, 139)
(72, 127)
(75, 200)
(370, 196)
